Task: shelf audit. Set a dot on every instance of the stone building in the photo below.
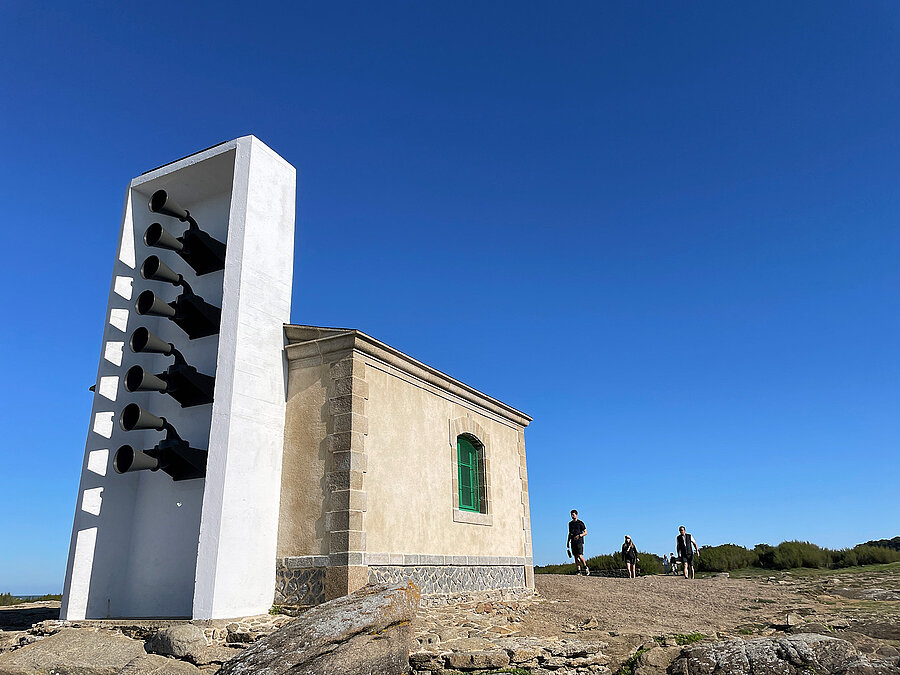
(232, 460)
(392, 469)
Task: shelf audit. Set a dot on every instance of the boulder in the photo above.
(789, 655)
(73, 651)
(183, 640)
(152, 664)
(365, 632)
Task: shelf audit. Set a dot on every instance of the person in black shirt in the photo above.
(576, 542)
(629, 555)
(686, 547)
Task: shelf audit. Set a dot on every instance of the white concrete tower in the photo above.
(189, 529)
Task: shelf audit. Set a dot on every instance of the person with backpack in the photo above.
(686, 546)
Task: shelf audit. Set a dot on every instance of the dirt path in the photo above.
(658, 605)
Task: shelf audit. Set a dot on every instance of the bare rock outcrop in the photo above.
(73, 652)
(365, 632)
(788, 655)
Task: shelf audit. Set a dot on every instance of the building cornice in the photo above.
(305, 342)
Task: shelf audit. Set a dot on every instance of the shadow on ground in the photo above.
(19, 617)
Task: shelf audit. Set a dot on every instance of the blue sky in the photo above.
(674, 227)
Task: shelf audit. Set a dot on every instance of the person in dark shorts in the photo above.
(629, 555)
(686, 548)
(575, 541)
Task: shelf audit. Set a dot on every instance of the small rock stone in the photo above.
(427, 661)
(495, 658)
(238, 635)
(178, 641)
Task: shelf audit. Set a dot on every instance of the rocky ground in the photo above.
(842, 622)
(665, 614)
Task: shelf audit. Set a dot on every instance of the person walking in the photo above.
(575, 541)
(667, 563)
(686, 546)
(673, 563)
(629, 555)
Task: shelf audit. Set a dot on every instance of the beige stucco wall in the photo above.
(301, 523)
(409, 479)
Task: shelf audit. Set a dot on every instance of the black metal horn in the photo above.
(134, 417)
(189, 311)
(149, 304)
(158, 237)
(180, 381)
(127, 459)
(173, 455)
(160, 202)
(138, 379)
(142, 340)
(198, 249)
(154, 269)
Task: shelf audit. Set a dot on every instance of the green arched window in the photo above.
(470, 459)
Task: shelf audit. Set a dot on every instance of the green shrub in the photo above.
(688, 638)
(724, 558)
(569, 568)
(884, 543)
(765, 556)
(868, 555)
(791, 554)
(648, 563)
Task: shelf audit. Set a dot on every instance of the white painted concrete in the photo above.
(134, 548)
(238, 534)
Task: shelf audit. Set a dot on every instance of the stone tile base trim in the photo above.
(297, 562)
(451, 578)
(410, 559)
(298, 587)
(494, 595)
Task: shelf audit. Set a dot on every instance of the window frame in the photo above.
(470, 497)
(468, 427)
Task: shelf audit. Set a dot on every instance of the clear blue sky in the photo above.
(675, 227)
